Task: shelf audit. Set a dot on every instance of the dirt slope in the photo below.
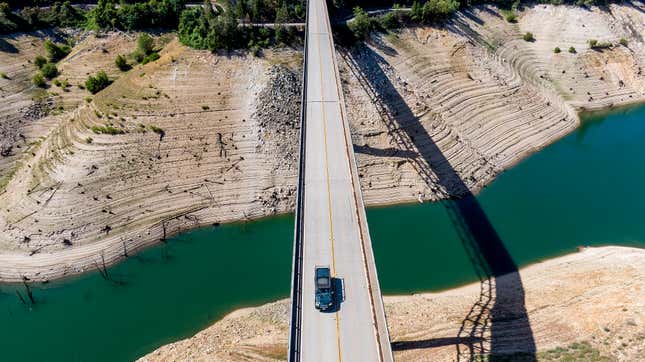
(434, 111)
(587, 306)
(439, 110)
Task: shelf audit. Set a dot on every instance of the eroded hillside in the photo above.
(196, 138)
(437, 111)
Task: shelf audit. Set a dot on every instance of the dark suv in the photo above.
(324, 291)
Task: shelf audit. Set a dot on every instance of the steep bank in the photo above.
(212, 138)
(586, 303)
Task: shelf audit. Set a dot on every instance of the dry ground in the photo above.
(442, 110)
(436, 110)
(584, 306)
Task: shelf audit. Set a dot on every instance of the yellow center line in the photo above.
(329, 212)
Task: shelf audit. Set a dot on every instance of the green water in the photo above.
(584, 190)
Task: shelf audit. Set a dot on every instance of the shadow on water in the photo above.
(497, 324)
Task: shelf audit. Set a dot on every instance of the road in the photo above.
(334, 227)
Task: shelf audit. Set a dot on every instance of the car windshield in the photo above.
(323, 280)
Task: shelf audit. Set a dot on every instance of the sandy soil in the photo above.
(441, 111)
(587, 305)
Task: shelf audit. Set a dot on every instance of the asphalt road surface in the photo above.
(335, 229)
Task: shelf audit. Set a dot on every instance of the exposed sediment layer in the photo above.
(463, 102)
(434, 111)
(593, 298)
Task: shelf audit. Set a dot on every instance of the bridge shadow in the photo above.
(497, 325)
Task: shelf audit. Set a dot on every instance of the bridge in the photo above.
(331, 226)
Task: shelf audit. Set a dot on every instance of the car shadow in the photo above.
(497, 326)
(338, 288)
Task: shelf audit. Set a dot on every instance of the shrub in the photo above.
(145, 43)
(439, 9)
(55, 51)
(39, 80)
(206, 108)
(361, 25)
(389, 21)
(121, 63)
(88, 99)
(89, 140)
(40, 61)
(57, 83)
(107, 130)
(150, 58)
(572, 50)
(556, 50)
(97, 83)
(595, 44)
(623, 42)
(510, 16)
(157, 130)
(4, 75)
(49, 70)
(528, 36)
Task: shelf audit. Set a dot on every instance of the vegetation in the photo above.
(29, 17)
(56, 52)
(579, 351)
(121, 63)
(595, 44)
(39, 80)
(362, 24)
(432, 10)
(556, 50)
(572, 50)
(4, 75)
(40, 61)
(135, 15)
(95, 84)
(157, 130)
(49, 70)
(623, 42)
(510, 16)
(150, 58)
(528, 36)
(107, 129)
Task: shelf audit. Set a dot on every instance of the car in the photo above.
(324, 289)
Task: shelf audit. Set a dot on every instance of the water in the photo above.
(584, 190)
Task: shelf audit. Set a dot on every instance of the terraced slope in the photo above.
(168, 146)
(437, 111)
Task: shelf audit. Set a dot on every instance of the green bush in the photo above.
(49, 70)
(389, 21)
(39, 80)
(40, 61)
(97, 83)
(361, 25)
(150, 58)
(623, 42)
(145, 44)
(56, 52)
(556, 50)
(528, 36)
(4, 75)
(439, 9)
(511, 17)
(121, 63)
(107, 130)
(572, 50)
(595, 44)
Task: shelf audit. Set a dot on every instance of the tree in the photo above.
(361, 25)
(240, 9)
(439, 9)
(281, 17)
(97, 83)
(416, 13)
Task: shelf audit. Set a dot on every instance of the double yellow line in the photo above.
(329, 206)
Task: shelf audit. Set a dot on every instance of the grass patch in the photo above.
(107, 130)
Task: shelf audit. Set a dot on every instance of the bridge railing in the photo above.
(295, 326)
